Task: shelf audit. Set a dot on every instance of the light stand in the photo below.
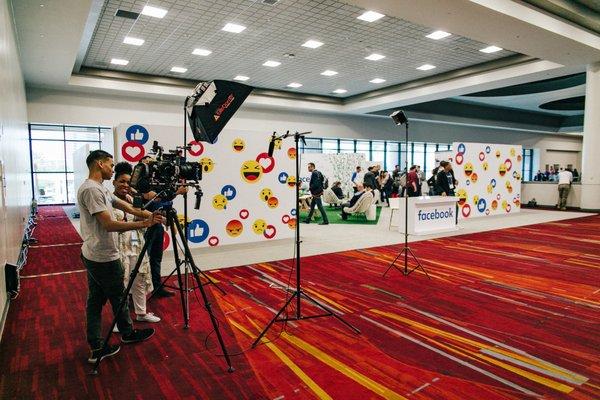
(400, 119)
(298, 292)
(176, 229)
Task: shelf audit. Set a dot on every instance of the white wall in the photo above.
(52, 106)
(546, 194)
(14, 149)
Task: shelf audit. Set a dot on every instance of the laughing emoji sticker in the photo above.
(251, 171)
(207, 164)
(238, 145)
(291, 181)
(509, 187)
(468, 169)
(462, 196)
(502, 169)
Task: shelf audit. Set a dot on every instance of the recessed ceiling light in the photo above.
(119, 61)
(133, 41)
(491, 49)
(313, 44)
(234, 28)
(181, 70)
(370, 16)
(437, 35)
(374, 57)
(272, 64)
(154, 12)
(426, 67)
(377, 80)
(340, 91)
(241, 78)
(201, 52)
(329, 73)
(294, 85)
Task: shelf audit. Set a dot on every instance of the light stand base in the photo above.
(406, 251)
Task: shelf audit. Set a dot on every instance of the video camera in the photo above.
(167, 173)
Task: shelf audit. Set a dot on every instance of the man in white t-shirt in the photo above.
(565, 178)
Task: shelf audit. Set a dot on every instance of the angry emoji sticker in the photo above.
(234, 228)
(272, 202)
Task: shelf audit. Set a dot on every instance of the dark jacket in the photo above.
(370, 179)
(441, 183)
(355, 198)
(316, 183)
(338, 192)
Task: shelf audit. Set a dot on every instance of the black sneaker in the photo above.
(163, 293)
(323, 223)
(110, 351)
(306, 221)
(137, 335)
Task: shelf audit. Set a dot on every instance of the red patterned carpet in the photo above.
(508, 314)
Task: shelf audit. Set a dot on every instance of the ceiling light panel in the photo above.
(180, 70)
(437, 35)
(370, 16)
(377, 80)
(155, 12)
(294, 85)
(340, 91)
(491, 49)
(119, 61)
(233, 28)
(241, 78)
(201, 52)
(374, 57)
(329, 73)
(271, 63)
(312, 44)
(133, 41)
(426, 67)
(171, 40)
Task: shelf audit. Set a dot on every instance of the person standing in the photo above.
(412, 182)
(370, 178)
(316, 190)
(420, 181)
(101, 257)
(357, 177)
(444, 181)
(565, 178)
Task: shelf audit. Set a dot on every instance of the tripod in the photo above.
(176, 229)
(400, 119)
(298, 294)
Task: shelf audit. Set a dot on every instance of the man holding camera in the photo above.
(100, 254)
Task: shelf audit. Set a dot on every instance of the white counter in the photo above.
(426, 214)
(546, 193)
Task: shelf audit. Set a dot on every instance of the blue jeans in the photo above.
(316, 201)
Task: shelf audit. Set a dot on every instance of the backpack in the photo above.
(324, 180)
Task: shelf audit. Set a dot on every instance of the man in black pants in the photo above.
(316, 190)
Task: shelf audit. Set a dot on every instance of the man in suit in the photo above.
(360, 190)
(316, 190)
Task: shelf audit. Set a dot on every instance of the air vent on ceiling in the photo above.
(270, 2)
(127, 14)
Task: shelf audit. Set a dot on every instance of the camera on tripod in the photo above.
(166, 174)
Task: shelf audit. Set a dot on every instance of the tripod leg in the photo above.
(281, 310)
(184, 299)
(419, 265)
(124, 300)
(330, 311)
(393, 263)
(190, 259)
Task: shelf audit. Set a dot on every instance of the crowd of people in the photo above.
(551, 174)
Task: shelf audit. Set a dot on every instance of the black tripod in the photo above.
(400, 119)
(176, 229)
(299, 293)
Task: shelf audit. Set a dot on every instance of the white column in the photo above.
(590, 168)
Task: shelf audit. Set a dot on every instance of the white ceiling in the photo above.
(273, 31)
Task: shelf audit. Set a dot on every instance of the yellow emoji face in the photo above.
(468, 169)
(251, 171)
(265, 194)
(490, 188)
(259, 226)
(291, 181)
(498, 153)
(277, 143)
(207, 164)
(502, 169)
(485, 165)
(475, 199)
(504, 204)
(238, 145)
(512, 152)
(462, 196)
(272, 202)
(509, 187)
(219, 202)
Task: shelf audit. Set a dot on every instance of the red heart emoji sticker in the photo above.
(481, 156)
(285, 219)
(508, 208)
(132, 151)
(266, 163)
(213, 241)
(244, 213)
(466, 210)
(270, 232)
(508, 164)
(196, 148)
(458, 159)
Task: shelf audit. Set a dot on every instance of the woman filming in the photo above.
(130, 245)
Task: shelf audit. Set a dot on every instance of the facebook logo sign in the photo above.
(435, 214)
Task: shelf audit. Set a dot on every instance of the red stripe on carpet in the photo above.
(508, 314)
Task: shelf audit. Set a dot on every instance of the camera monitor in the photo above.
(212, 105)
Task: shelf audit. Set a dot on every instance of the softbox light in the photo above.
(212, 105)
(399, 117)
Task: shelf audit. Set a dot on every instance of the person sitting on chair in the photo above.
(360, 190)
(337, 189)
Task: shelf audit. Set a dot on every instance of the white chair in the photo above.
(361, 206)
(394, 206)
(330, 198)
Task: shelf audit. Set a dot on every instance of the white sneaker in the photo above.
(149, 317)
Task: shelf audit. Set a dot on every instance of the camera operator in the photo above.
(100, 254)
(154, 235)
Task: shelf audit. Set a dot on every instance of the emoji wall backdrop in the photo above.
(489, 178)
(248, 196)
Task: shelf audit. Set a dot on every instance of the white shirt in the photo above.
(565, 177)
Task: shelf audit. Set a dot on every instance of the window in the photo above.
(52, 148)
(364, 147)
(392, 155)
(311, 146)
(429, 163)
(346, 146)
(378, 153)
(330, 146)
(418, 154)
(527, 166)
